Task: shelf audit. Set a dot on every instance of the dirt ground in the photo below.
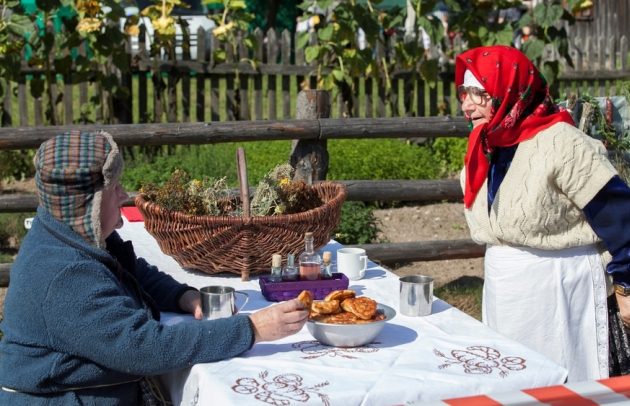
(441, 221)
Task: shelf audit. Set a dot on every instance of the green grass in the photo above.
(463, 293)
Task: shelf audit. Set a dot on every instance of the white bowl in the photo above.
(349, 335)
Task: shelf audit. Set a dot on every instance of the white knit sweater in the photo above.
(551, 178)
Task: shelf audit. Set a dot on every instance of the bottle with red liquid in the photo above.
(310, 261)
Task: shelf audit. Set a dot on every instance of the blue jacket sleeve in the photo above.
(89, 314)
(161, 287)
(609, 216)
(165, 290)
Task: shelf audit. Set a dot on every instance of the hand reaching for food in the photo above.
(279, 321)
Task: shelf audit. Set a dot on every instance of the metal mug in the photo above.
(220, 301)
(416, 295)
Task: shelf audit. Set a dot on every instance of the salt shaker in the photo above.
(326, 271)
(276, 268)
(290, 272)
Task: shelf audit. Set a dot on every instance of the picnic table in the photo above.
(447, 354)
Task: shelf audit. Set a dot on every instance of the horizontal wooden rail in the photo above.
(358, 190)
(390, 253)
(242, 131)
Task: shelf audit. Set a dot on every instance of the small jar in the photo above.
(326, 271)
(290, 272)
(276, 268)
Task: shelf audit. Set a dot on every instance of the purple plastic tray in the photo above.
(280, 291)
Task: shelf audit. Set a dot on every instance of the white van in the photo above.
(196, 15)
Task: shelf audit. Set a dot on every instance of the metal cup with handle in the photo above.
(220, 301)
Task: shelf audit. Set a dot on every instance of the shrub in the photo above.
(358, 224)
(349, 159)
(449, 153)
(12, 231)
(381, 159)
(16, 164)
(215, 161)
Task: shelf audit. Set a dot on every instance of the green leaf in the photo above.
(533, 48)
(505, 36)
(302, 40)
(547, 15)
(237, 5)
(324, 4)
(219, 55)
(326, 33)
(551, 70)
(311, 53)
(429, 70)
(338, 74)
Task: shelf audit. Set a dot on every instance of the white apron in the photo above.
(551, 301)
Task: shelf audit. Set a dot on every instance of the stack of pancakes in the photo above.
(343, 307)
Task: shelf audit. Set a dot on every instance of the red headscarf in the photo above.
(521, 106)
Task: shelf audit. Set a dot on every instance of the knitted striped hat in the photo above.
(71, 171)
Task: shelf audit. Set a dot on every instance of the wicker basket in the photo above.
(241, 245)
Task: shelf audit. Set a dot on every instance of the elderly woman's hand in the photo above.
(190, 302)
(278, 321)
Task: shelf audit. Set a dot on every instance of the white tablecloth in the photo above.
(414, 359)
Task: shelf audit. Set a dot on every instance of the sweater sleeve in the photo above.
(161, 287)
(88, 313)
(609, 216)
(165, 290)
(581, 162)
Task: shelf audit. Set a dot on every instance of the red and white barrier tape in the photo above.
(612, 391)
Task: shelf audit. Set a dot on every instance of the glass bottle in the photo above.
(276, 268)
(290, 272)
(326, 272)
(310, 261)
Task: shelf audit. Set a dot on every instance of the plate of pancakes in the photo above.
(342, 319)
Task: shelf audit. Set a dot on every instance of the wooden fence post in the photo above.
(310, 157)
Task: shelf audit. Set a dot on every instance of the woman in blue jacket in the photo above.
(81, 316)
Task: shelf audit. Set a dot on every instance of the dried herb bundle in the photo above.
(197, 197)
(276, 194)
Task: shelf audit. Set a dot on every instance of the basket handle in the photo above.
(241, 165)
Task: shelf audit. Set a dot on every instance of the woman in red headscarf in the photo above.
(553, 212)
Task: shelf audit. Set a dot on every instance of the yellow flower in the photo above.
(164, 25)
(284, 181)
(87, 25)
(89, 7)
(132, 30)
(222, 29)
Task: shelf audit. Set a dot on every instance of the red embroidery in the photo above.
(316, 350)
(482, 360)
(281, 390)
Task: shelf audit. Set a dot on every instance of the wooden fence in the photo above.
(605, 19)
(200, 90)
